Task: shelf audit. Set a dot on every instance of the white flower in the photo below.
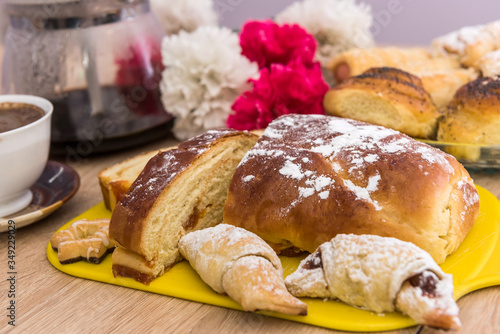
(177, 15)
(204, 74)
(337, 25)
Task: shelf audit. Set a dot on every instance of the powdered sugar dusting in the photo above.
(364, 193)
(324, 194)
(353, 149)
(366, 271)
(489, 64)
(306, 192)
(470, 198)
(248, 178)
(457, 41)
(291, 170)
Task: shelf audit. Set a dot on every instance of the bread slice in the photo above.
(116, 179)
(179, 191)
(388, 97)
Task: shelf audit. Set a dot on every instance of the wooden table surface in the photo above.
(49, 301)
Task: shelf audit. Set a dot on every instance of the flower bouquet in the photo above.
(216, 78)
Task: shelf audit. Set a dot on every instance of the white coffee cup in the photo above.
(23, 155)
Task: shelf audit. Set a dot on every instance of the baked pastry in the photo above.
(116, 179)
(381, 275)
(489, 64)
(441, 75)
(237, 262)
(179, 191)
(311, 177)
(469, 44)
(473, 115)
(386, 96)
(443, 84)
(414, 60)
(83, 240)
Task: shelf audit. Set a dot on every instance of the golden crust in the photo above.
(311, 178)
(473, 115)
(386, 96)
(115, 180)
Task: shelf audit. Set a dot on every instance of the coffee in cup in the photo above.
(24, 151)
(14, 115)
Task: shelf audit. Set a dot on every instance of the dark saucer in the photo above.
(58, 183)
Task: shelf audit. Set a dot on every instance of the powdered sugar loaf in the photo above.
(311, 177)
(361, 146)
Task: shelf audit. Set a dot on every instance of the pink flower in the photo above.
(266, 43)
(280, 90)
(138, 76)
(141, 62)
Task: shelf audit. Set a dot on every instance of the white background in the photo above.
(397, 22)
(416, 23)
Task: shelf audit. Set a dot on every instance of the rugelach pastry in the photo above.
(469, 44)
(237, 262)
(179, 191)
(489, 64)
(473, 116)
(381, 275)
(84, 239)
(311, 177)
(386, 96)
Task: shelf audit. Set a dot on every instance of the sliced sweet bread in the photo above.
(179, 191)
(116, 179)
(386, 96)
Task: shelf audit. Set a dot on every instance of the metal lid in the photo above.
(69, 14)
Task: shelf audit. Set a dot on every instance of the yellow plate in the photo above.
(474, 266)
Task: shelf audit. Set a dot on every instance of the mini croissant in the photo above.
(380, 274)
(237, 262)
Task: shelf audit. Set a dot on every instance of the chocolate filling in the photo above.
(314, 262)
(425, 282)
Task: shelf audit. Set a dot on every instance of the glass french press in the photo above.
(97, 61)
